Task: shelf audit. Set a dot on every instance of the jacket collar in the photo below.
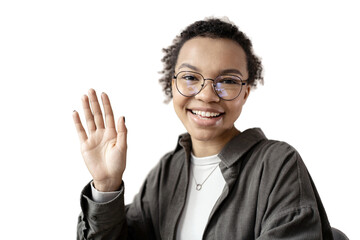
(240, 145)
(234, 149)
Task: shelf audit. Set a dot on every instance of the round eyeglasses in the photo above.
(226, 87)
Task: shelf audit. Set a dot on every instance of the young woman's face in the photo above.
(210, 57)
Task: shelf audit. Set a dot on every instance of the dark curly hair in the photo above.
(213, 28)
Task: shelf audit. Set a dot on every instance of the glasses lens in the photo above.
(189, 83)
(228, 87)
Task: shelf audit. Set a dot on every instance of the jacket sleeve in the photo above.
(293, 209)
(114, 220)
(101, 220)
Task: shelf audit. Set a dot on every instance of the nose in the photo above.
(207, 93)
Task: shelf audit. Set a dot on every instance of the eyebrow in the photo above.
(231, 71)
(186, 65)
(226, 71)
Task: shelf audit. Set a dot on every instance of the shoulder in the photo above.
(272, 162)
(273, 151)
(268, 147)
(282, 170)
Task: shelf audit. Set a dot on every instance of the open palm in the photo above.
(103, 148)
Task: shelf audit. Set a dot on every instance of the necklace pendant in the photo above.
(198, 187)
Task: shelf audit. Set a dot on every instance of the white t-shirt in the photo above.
(199, 204)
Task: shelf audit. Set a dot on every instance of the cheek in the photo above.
(179, 101)
(239, 102)
(175, 93)
(234, 110)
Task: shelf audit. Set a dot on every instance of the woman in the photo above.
(218, 183)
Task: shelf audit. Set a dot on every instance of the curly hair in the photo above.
(212, 28)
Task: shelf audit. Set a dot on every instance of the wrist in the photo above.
(107, 186)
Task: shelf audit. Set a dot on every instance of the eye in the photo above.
(188, 76)
(229, 80)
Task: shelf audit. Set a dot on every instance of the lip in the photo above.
(205, 110)
(205, 121)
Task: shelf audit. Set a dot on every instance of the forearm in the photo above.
(105, 220)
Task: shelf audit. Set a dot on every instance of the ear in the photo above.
(172, 83)
(247, 90)
(173, 88)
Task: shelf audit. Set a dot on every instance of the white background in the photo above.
(52, 52)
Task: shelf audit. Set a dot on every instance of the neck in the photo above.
(211, 147)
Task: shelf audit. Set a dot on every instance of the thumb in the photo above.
(121, 141)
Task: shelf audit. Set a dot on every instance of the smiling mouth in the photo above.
(203, 114)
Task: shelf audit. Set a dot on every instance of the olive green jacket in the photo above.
(268, 195)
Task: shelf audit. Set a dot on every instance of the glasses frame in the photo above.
(213, 84)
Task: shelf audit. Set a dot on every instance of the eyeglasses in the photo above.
(227, 87)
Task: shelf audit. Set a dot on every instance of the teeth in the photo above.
(205, 114)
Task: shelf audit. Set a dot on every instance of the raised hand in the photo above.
(103, 148)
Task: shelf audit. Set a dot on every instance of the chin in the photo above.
(204, 135)
(213, 134)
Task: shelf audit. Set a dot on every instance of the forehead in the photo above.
(212, 55)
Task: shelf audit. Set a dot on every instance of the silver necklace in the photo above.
(199, 185)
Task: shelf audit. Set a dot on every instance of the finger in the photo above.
(79, 127)
(121, 134)
(88, 114)
(95, 106)
(109, 116)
